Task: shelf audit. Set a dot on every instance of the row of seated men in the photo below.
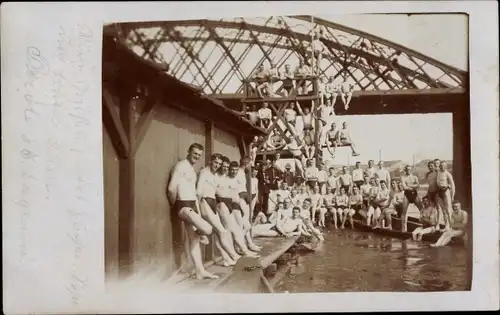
(344, 195)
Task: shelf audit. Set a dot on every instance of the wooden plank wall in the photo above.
(226, 144)
(157, 227)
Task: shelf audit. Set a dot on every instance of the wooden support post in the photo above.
(127, 190)
(209, 150)
(249, 182)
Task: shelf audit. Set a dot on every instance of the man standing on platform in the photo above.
(183, 197)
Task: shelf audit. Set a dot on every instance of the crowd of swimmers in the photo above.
(217, 200)
(334, 197)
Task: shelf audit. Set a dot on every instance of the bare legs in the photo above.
(444, 201)
(346, 99)
(348, 213)
(232, 225)
(333, 213)
(322, 214)
(447, 236)
(223, 239)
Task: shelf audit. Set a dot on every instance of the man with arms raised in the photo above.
(225, 208)
(206, 187)
(182, 196)
(446, 192)
(458, 225)
(410, 184)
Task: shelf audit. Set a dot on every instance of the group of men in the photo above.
(370, 193)
(214, 201)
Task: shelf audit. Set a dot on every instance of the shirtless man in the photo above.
(322, 178)
(316, 204)
(300, 72)
(342, 203)
(273, 76)
(287, 78)
(224, 196)
(346, 91)
(308, 122)
(446, 191)
(331, 139)
(429, 217)
(329, 204)
(293, 226)
(333, 89)
(458, 225)
(355, 205)
(382, 202)
(322, 90)
(372, 202)
(326, 112)
(345, 180)
(358, 175)
(344, 139)
(295, 145)
(432, 190)
(206, 187)
(365, 190)
(410, 185)
(182, 195)
(305, 213)
(260, 77)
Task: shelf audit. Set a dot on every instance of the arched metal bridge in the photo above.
(215, 55)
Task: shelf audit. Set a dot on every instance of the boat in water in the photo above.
(412, 224)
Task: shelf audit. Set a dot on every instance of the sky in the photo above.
(398, 137)
(440, 36)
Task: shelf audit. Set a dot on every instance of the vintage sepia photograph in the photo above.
(289, 154)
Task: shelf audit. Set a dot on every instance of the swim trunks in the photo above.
(211, 202)
(411, 195)
(227, 201)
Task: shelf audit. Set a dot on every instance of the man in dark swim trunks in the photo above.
(206, 189)
(410, 183)
(182, 195)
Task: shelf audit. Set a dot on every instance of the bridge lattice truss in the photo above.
(216, 55)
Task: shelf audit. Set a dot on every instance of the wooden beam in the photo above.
(144, 122)
(114, 126)
(210, 253)
(126, 226)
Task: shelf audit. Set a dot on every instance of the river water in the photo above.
(354, 261)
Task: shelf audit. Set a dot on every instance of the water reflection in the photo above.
(351, 261)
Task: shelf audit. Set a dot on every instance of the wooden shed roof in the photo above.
(120, 62)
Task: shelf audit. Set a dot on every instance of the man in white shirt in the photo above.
(371, 170)
(358, 175)
(224, 196)
(206, 187)
(311, 175)
(265, 116)
(322, 178)
(239, 205)
(332, 181)
(182, 195)
(382, 173)
(300, 72)
(346, 89)
(345, 180)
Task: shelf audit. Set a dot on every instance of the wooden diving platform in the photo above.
(295, 98)
(246, 276)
